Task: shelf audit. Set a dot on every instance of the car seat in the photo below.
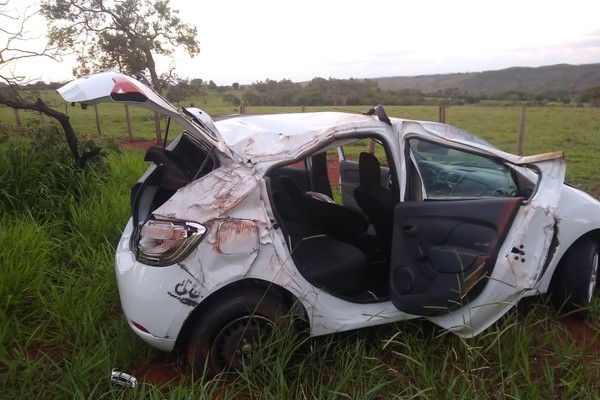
(375, 200)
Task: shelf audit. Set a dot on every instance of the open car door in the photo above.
(463, 262)
(111, 86)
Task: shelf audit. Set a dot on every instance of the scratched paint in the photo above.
(187, 292)
(211, 196)
(236, 236)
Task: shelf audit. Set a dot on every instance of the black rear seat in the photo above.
(323, 260)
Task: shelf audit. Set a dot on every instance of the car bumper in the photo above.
(147, 299)
(164, 344)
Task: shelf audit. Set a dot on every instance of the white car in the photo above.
(233, 225)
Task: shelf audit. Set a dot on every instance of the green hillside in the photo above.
(571, 78)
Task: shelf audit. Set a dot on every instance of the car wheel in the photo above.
(226, 336)
(575, 278)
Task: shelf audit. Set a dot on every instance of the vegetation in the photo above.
(126, 35)
(62, 331)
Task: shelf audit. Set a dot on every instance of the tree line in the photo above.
(349, 92)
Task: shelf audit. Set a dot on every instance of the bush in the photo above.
(39, 177)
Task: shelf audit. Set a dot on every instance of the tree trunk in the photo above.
(63, 120)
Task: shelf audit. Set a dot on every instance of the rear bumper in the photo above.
(164, 344)
(147, 297)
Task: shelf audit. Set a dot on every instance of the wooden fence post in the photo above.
(97, 120)
(521, 130)
(129, 131)
(157, 128)
(442, 114)
(17, 117)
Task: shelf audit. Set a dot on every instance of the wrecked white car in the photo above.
(234, 224)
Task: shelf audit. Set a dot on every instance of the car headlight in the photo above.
(167, 242)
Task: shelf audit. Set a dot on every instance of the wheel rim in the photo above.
(593, 278)
(236, 342)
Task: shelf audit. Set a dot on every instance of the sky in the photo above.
(250, 41)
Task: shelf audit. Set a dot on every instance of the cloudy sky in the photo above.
(249, 41)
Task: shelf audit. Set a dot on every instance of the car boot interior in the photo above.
(176, 167)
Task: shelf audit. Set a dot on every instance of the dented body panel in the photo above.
(244, 240)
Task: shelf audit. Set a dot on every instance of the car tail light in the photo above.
(167, 242)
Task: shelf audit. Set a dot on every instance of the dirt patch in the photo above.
(159, 372)
(137, 145)
(582, 333)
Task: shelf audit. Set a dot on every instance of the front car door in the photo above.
(474, 233)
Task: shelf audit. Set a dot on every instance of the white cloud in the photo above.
(245, 41)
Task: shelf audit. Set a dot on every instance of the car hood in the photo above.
(111, 86)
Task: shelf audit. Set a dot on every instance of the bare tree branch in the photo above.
(12, 49)
(11, 94)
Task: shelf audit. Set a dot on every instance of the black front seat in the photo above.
(375, 200)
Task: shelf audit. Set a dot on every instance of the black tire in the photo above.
(225, 335)
(575, 279)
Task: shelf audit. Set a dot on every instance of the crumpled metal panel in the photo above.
(521, 258)
(278, 137)
(215, 195)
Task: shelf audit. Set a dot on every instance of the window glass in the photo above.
(449, 173)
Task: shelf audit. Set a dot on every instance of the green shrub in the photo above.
(39, 177)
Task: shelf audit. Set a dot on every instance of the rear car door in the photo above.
(465, 253)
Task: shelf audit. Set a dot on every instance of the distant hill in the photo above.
(566, 77)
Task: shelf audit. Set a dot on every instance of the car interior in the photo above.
(343, 249)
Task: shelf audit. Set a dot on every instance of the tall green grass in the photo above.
(62, 330)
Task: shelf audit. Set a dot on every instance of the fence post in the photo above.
(129, 131)
(157, 128)
(97, 120)
(17, 117)
(522, 130)
(442, 114)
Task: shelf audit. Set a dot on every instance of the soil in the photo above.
(138, 145)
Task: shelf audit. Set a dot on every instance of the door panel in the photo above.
(442, 249)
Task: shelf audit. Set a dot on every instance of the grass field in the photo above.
(574, 130)
(62, 330)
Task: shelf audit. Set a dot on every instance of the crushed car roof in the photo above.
(277, 137)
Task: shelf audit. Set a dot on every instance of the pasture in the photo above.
(62, 331)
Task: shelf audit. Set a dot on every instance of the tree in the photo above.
(235, 86)
(125, 35)
(232, 99)
(121, 34)
(591, 95)
(11, 95)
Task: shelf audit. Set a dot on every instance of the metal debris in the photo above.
(122, 379)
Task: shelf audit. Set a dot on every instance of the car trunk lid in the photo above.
(111, 86)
